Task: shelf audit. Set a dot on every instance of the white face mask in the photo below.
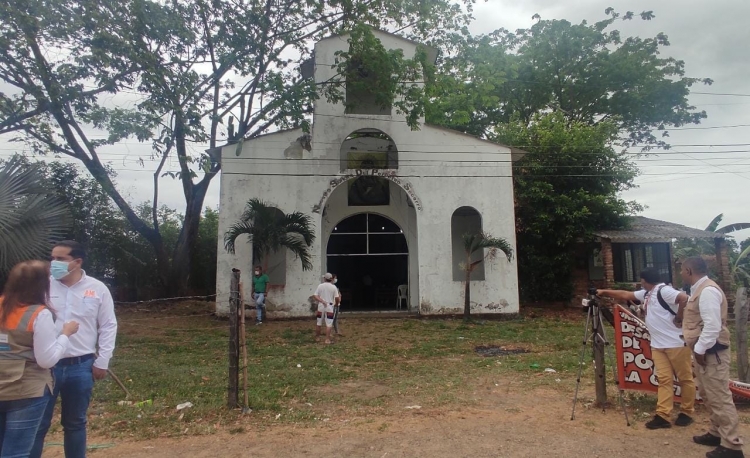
(335, 280)
(257, 272)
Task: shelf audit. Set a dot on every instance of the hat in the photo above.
(327, 276)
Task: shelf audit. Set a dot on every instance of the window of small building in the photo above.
(630, 258)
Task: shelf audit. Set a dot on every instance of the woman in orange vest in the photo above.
(29, 347)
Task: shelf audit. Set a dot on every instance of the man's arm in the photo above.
(681, 301)
(107, 323)
(710, 309)
(617, 294)
(265, 293)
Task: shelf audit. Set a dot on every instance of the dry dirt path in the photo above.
(505, 424)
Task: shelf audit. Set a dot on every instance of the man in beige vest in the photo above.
(704, 328)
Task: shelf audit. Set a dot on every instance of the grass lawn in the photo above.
(178, 354)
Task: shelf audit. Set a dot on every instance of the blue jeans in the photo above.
(260, 305)
(19, 422)
(73, 383)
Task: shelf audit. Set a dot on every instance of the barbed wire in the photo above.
(164, 299)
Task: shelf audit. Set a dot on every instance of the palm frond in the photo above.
(475, 242)
(497, 243)
(236, 230)
(299, 247)
(31, 217)
(269, 230)
(733, 228)
(715, 223)
(301, 224)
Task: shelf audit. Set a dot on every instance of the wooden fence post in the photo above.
(243, 347)
(234, 354)
(741, 313)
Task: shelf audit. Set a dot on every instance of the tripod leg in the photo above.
(580, 361)
(613, 363)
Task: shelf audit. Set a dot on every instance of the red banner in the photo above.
(635, 368)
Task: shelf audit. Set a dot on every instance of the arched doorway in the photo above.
(370, 255)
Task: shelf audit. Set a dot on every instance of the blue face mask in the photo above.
(58, 269)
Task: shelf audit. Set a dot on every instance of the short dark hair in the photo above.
(696, 264)
(651, 276)
(76, 249)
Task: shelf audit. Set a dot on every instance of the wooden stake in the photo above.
(243, 345)
(741, 314)
(233, 354)
(117, 380)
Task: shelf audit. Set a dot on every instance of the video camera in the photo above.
(592, 300)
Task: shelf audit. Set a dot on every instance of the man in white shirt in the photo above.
(76, 296)
(704, 326)
(327, 296)
(660, 304)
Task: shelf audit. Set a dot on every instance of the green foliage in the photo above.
(31, 217)
(566, 187)
(269, 230)
(116, 253)
(588, 72)
(706, 248)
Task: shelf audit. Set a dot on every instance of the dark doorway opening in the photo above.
(369, 254)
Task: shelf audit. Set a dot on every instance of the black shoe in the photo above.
(658, 422)
(723, 452)
(707, 439)
(683, 420)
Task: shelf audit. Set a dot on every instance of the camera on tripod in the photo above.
(591, 301)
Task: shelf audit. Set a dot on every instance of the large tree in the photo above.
(588, 72)
(195, 67)
(573, 96)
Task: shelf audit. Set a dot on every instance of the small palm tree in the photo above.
(472, 244)
(31, 216)
(270, 230)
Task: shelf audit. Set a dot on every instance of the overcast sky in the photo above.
(690, 188)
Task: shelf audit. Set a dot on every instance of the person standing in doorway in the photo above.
(326, 295)
(260, 293)
(670, 354)
(704, 327)
(76, 296)
(29, 347)
(336, 308)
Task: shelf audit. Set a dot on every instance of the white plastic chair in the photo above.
(402, 294)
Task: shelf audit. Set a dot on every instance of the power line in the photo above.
(722, 94)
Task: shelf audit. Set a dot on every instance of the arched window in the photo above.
(274, 265)
(465, 220)
(367, 149)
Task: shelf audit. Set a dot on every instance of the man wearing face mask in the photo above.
(76, 296)
(260, 292)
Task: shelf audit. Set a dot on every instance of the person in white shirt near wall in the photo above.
(704, 328)
(76, 296)
(660, 303)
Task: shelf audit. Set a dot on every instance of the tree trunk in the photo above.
(183, 252)
(467, 293)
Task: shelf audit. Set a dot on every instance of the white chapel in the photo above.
(389, 204)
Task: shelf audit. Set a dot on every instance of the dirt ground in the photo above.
(507, 422)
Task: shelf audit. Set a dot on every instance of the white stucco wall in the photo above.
(439, 170)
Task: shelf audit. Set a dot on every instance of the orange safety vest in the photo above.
(20, 375)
